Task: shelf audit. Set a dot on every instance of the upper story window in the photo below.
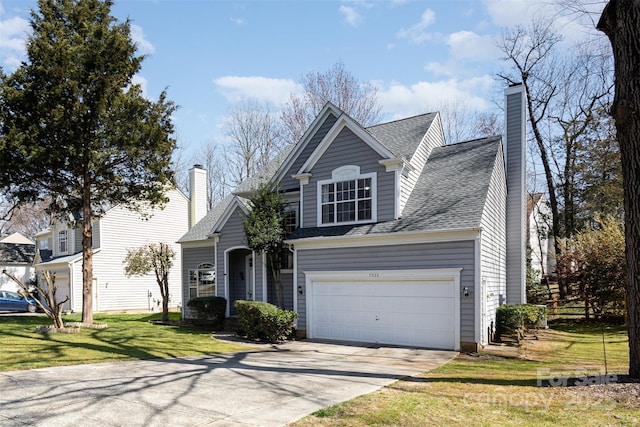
(290, 219)
(63, 241)
(347, 198)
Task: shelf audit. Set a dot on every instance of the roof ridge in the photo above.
(400, 120)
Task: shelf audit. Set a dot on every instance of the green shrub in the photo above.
(517, 318)
(209, 310)
(262, 320)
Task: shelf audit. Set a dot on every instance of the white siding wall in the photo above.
(22, 272)
(121, 229)
(493, 248)
(433, 138)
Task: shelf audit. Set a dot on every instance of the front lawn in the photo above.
(489, 390)
(128, 337)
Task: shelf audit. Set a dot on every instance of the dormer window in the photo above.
(349, 197)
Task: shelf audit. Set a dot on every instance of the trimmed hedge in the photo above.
(209, 310)
(262, 320)
(517, 318)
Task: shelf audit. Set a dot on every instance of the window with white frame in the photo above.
(63, 241)
(349, 197)
(202, 281)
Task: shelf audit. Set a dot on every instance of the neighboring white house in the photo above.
(119, 229)
(16, 257)
(394, 237)
(539, 240)
(17, 238)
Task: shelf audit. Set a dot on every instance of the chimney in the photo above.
(515, 159)
(198, 194)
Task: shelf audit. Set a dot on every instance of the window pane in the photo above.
(327, 193)
(346, 212)
(364, 209)
(327, 214)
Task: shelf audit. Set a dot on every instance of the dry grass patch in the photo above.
(488, 390)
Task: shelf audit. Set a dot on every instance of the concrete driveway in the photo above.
(270, 386)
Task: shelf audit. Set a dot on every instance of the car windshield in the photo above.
(12, 295)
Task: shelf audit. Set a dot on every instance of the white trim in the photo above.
(264, 276)
(302, 177)
(452, 274)
(295, 281)
(319, 120)
(200, 243)
(226, 274)
(477, 291)
(385, 239)
(347, 173)
(228, 211)
(342, 122)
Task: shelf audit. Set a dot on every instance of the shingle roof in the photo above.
(202, 229)
(403, 136)
(450, 193)
(252, 183)
(17, 253)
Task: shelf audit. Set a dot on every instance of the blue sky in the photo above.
(211, 54)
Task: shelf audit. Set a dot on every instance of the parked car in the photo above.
(13, 301)
(208, 276)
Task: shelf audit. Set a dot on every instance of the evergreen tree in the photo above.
(75, 128)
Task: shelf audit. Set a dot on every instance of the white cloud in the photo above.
(417, 33)
(574, 26)
(138, 37)
(509, 13)
(238, 21)
(12, 41)
(237, 88)
(422, 97)
(139, 80)
(351, 15)
(469, 45)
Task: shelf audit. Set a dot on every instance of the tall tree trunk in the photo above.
(620, 21)
(87, 255)
(548, 174)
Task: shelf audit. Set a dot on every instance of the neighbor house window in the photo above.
(348, 197)
(202, 281)
(63, 241)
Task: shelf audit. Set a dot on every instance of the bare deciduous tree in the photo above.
(337, 85)
(254, 139)
(564, 91)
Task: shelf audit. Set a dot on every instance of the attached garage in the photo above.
(419, 308)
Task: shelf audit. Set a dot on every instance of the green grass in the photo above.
(128, 337)
(488, 390)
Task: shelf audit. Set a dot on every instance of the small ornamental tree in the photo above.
(156, 257)
(264, 228)
(594, 260)
(53, 307)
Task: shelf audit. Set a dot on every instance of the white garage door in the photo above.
(418, 309)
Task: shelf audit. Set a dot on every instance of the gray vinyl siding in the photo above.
(231, 236)
(348, 149)
(77, 237)
(415, 256)
(191, 258)
(433, 138)
(493, 247)
(516, 198)
(289, 183)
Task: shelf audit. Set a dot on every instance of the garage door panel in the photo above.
(403, 312)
